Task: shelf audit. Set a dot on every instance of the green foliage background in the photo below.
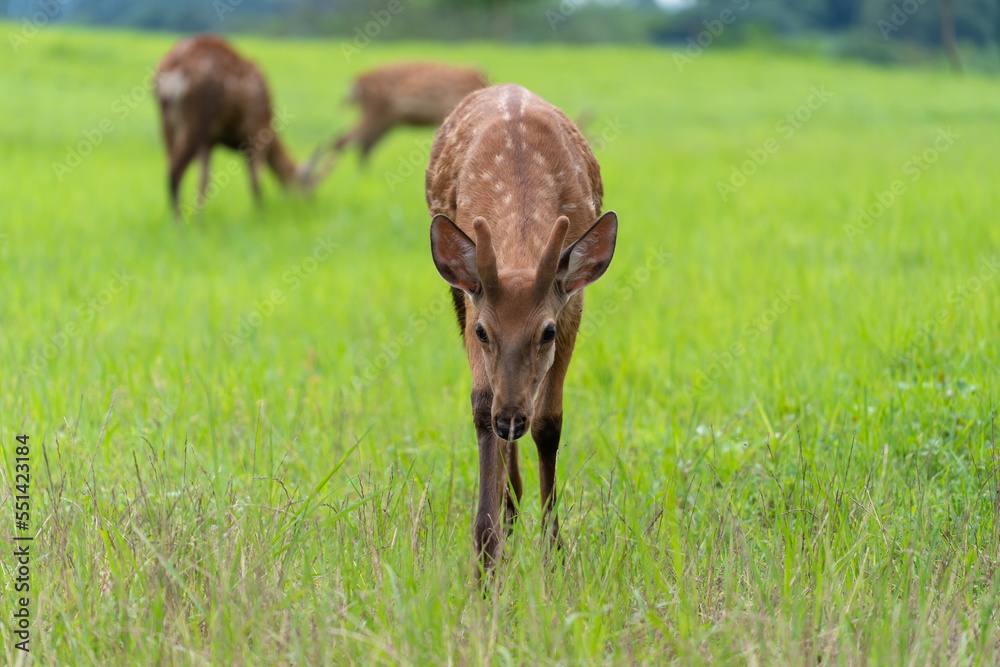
(875, 30)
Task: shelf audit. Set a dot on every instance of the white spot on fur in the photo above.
(172, 84)
(502, 103)
(508, 199)
(498, 186)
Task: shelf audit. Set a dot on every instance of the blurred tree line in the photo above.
(878, 30)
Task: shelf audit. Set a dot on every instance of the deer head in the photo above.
(516, 310)
(310, 173)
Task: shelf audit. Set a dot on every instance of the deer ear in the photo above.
(454, 255)
(587, 258)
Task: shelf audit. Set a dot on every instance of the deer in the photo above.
(210, 95)
(515, 196)
(418, 94)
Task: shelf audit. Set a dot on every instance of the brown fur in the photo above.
(209, 95)
(518, 181)
(419, 94)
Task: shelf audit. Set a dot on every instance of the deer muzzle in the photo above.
(510, 424)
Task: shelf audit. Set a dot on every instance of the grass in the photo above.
(779, 441)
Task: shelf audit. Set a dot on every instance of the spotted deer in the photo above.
(420, 94)
(517, 232)
(209, 95)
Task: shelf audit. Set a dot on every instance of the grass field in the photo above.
(250, 435)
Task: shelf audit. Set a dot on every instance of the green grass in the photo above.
(738, 484)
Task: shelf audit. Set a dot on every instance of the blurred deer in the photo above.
(209, 95)
(517, 232)
(421, 94)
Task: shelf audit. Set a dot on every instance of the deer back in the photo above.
(511, 157)
(415, 93)
(206, 88)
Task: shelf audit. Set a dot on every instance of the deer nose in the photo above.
(503, 429)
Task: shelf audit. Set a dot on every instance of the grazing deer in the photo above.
(418, 94)
(210, 95)
(517, 231)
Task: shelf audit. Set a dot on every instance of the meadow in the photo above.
(250, 433)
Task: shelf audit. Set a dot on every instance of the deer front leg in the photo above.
(184, 151)
(546, 427)
(488, 533)
(513, 490)
(546, 432)
(204, 156)
(368, 133)
(254, 166)
(371, 135)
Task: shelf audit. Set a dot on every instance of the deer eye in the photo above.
(549, 334)
(481, 334)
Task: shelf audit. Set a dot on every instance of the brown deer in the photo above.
(420, 94)
(517, 231)
(210, 95)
